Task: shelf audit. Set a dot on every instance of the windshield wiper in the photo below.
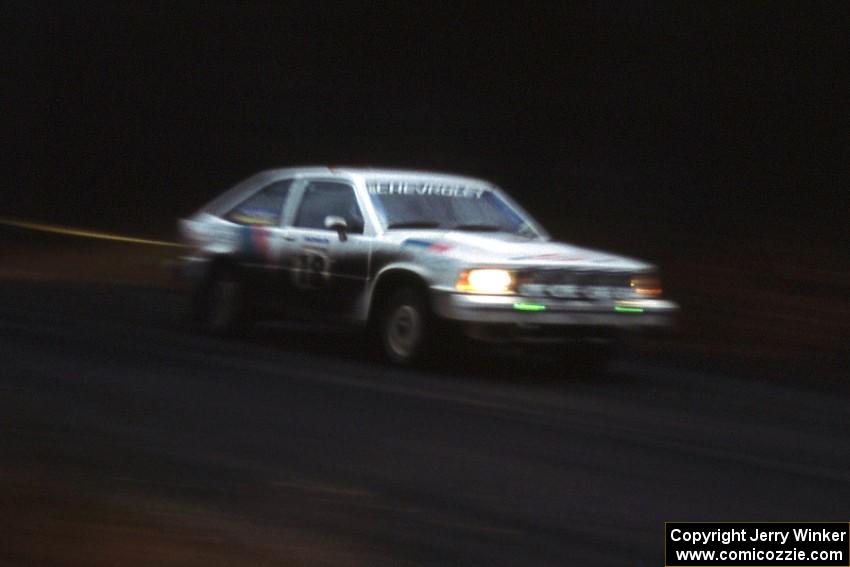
(414, 224)
(480, 227)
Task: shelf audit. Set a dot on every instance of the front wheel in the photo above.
(404, 327)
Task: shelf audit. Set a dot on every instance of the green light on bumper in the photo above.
(529, 307)
(623, 309)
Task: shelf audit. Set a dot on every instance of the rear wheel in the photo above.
(221, 305)
(404, 326)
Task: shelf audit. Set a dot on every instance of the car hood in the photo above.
(503, 249)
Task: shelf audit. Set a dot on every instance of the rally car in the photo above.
(405, 254)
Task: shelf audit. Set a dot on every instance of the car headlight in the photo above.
(486, 280)
(646, 285)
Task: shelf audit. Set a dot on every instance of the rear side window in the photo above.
(263, 208)
(326, 198)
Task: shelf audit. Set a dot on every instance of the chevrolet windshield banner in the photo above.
(439, 189)
(759, 544)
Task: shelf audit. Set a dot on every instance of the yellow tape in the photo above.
(57, 229)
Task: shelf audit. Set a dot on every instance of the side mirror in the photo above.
(338, 224)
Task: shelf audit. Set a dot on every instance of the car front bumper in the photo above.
(518, 310)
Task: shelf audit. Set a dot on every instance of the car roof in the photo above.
(365, 174)
(378, 174)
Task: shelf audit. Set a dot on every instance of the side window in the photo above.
(327, 198)
(263, 208)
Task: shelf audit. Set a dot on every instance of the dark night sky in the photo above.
(689, 117)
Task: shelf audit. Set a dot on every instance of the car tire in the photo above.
(221, 304)
(404, 328)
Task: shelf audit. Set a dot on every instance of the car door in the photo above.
(259, 240)
(328, 270)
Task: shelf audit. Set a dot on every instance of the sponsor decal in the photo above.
(260, 243)
(427, 245)
(416, 243)
(246, 241)
(260, 240)
(556, 257)
(439, 189)
(439, 248)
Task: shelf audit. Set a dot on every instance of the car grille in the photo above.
(575, 284)
(574, 277)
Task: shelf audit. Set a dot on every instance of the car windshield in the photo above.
(454, 207)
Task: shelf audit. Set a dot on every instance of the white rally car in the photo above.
(401, 253)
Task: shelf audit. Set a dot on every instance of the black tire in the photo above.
(220, 304)
(404, 328)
